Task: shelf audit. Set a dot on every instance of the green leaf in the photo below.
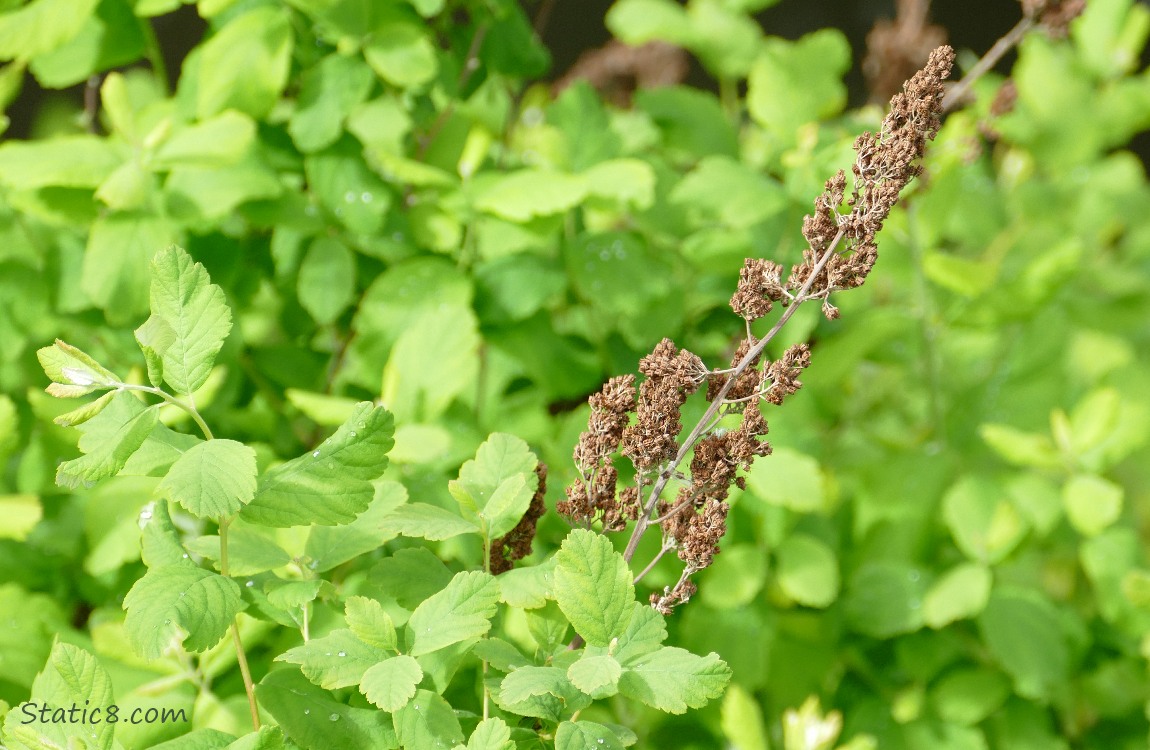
(325, 410)
(391, 684)
(793, 83)
(428, 521)
(491, 734)
(347, 188)
(332, 484)
(495, 488)
(637, 22)
(884, 599)
(1020, 448)
(808, 571)
(459, 612)
(72, 677)
(593, 587)
(789, 479)
(597, 676)
(1023, 631)
(444, 341)
(179, 604)
(629, 182)
(985, 524)
(329, 92)
(19, 514)
(42, 26)
(1092, 503)
(370, 623)
(960, 593)
(160, 543)
(530, 193)
(329, 546)
(312, 719)
(645, 634)
(500, 654)
(674, 680)
(412, 575)
(216, 142)
(214, 479)
(245, 65)
(427, 721)
(110, 38)
(115, 269)
(108, 440)
(526, 682)
(735, 577)
(529, 587)
(402, 54)
(742, 720)
(967, 696)
(79, 161)
(1093, 419)
(250, 550)
(326, 283)
(73, 372)
(721, 188)
(186, 302)
(579, 735)
(337, 660)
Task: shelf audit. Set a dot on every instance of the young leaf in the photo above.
(184, 300)
(337, 660)
(214, 479)
(495, 488)
(526, 682)
(593, 587)
(84, 413)
(108, 440)
(461, 611)
(332, 484)
(370, 623)
(427, 721)
(428, 521)
(178, 604)
(674, 680)
(391, 684)
(72, 677)
(597, 676)
(312, 719)
(578, 735)
(73, 372)
(491, 734)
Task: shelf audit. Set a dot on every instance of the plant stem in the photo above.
(717, 403)
(651, 565)
(191, 410)
(241, 656)
(155, 55)
(958, 92)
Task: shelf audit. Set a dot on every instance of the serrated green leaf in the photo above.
(495, 488)
(428, 521)
(245, 65)
(411, 576)
(391, 684)
(179, 604)
(491, 734)
(295, 594)
(674, 680)
(427, 721)
(160, 541)
(329, 546)
(593, 587)
(645, 634)
(72, 677)
(214, 479)
(960, 593)
(332, 484)
(580, 735)
(337, 660)
(461, 611)
(305, 712)
(194, 309)
(597, 676)
(500, 654)
(73, 372)
(108, 440)
(84, 413)
(527, 682)
(529, 587)
(402, 54)
(370, 623)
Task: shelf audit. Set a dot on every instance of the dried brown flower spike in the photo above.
(841, 253)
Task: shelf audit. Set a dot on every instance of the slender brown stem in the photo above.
(664, 476)
(958, 92)
(651, 565)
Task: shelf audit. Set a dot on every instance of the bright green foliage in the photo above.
(360, 229)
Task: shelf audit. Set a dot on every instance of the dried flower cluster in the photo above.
(1053, 15)
(516, 544)
(896, 49)
(618, 70)
(593, 496)
(841, 253)
(885, 163)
